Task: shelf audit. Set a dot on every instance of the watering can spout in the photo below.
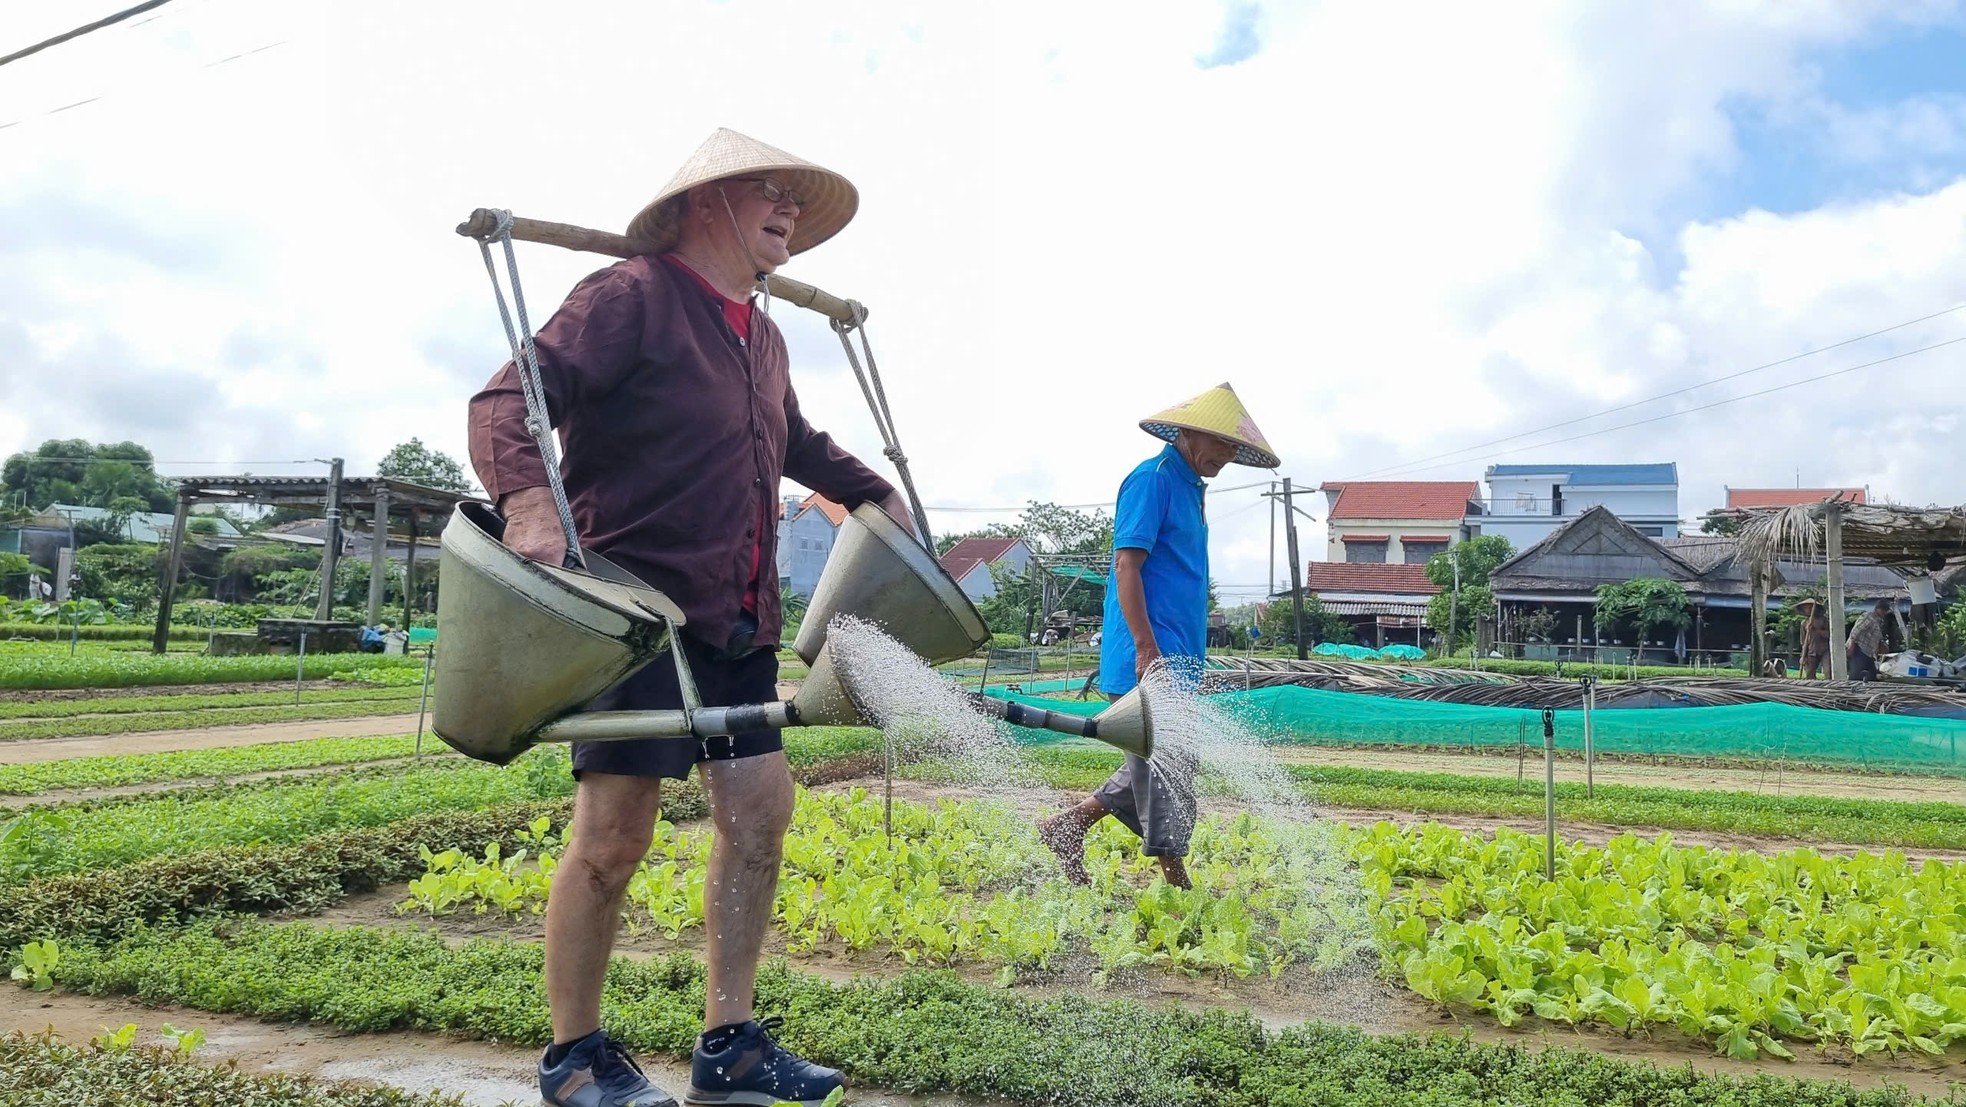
(1127, 725)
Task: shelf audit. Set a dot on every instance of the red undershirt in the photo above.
(738, 315)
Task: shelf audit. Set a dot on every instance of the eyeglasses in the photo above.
(776, 193)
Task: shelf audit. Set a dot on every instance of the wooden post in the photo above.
(331, 552)
(1296, 569)
(1839, 661)
(409, 577)
(567, 236)
(167, 587)
(1757, 617)
(379, 557)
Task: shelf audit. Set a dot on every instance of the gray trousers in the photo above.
(1155, 799)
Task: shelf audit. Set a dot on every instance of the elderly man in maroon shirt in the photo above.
(671, 391)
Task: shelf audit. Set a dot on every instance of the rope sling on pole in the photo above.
(489, 225)
(526, 360)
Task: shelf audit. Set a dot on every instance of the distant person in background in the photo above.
(1815, 638)
(1866, 641)
(1157, 603)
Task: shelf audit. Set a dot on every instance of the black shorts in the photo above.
(720, 682)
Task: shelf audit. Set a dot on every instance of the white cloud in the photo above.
(1396, 231)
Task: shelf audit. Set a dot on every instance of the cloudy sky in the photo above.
(1418, 238)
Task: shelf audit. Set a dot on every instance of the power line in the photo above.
(1081, 507)
(85, 29)
(93, 99)
(1703, 407)
(1661, 396)
(35, 458)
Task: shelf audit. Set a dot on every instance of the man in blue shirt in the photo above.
(1157, 618)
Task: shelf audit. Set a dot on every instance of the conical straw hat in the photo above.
(1218, 412)
(830, 198)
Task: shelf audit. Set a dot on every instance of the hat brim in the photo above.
(1247, 453)
(831, 202)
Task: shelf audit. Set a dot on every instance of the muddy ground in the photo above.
(485, 1074)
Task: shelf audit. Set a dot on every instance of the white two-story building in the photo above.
(1527, 502)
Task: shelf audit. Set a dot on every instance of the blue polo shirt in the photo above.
(1160, 511)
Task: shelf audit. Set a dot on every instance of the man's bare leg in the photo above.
(1065, 833)
(613, 822)
(1175, 871)
(751, 805)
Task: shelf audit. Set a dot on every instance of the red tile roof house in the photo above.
(969, 561)
(1384, 603)
(1397, 521)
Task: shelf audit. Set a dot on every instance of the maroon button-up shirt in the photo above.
(675, 432)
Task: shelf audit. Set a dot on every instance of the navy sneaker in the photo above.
(748, 1068)
(597, 1072)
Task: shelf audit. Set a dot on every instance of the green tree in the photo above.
(1015, 604)
(1477, 558)
(121, 509)
(1719, 520)
(417, 463)
(15, 571)
(1644, 604)
(76, 471)
(120, 572)
(1280, 627)
(1951, 636)
(1475, 601)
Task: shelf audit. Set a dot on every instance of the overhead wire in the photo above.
(1408, 470)
(86, 28)
(1407, 465)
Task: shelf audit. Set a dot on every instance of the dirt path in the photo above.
(164, 741)
(1767, 781)
(215, 689)
(82, 795)
(485, 1074)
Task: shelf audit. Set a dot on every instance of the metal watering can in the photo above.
(526, 644)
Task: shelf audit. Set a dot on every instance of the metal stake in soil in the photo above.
(1590, 752)
(300, 667)
(1549, 794)
(429, 659)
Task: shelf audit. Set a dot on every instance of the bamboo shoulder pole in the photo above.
(484, 221)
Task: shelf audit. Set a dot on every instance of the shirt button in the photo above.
(750, 534)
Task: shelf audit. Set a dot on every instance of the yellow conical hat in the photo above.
(830, 198)
(1218, 412)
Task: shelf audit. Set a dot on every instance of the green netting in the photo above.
(1768, 731)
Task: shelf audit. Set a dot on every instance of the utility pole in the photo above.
(1272, 496)
(1454, 606)
(1296, 570)
(331, 554)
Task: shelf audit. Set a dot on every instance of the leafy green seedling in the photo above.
(37, 967)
